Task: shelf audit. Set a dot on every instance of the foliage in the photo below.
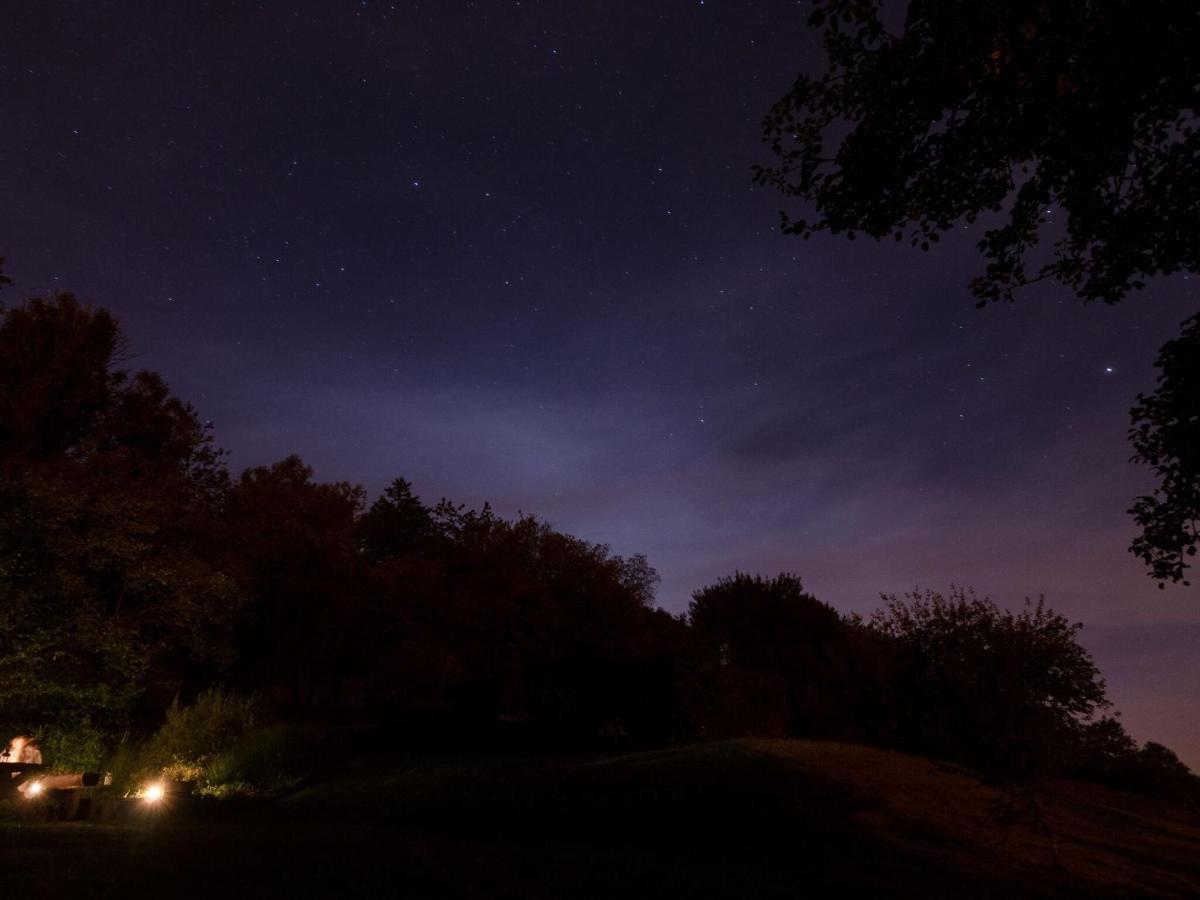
(500, 618)
(772, 627)
(210, 724)
(1021, 113)
(57, 380)
(1104, 752)
(65, 746)
(109, 488)
(759, 623)
(1165, 433)
(289, 543)
(133, 570)
(220, 744)
(397, 525)
(192, 736)
(1001, 690)
(78, 749)
(124, 762)
(1157, 770)
(267, 759)
(1004, 106)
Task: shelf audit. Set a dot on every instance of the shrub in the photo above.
(193, 735)
(218, 744)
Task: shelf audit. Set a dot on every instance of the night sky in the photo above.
(511, 251)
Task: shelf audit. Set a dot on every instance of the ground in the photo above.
(732, 819)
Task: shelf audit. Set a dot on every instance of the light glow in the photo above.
(34, 788)
(153, 793)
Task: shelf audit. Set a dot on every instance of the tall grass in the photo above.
(269, 759)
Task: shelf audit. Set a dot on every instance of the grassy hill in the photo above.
(730, 819)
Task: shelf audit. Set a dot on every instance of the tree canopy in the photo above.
(109, 489)
(1070, 122)
(983, 684)
(1015, 108)
(772, 627)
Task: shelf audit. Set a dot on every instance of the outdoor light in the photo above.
(33, 789)
(152, 793)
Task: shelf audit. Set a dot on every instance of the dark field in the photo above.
(736, 819)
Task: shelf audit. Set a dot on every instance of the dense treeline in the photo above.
(134, 570)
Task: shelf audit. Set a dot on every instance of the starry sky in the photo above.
(511, 251)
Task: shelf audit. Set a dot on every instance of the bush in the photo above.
(192, 736)
(218, 744)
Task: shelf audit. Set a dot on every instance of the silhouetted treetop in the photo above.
(1025, 109)
(397, 524)
(58, 374)
(762, 623)
(772, 628)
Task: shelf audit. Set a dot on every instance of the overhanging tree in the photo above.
(1166, 436)
(1017, 112)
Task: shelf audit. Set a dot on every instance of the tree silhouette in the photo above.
(1165, 433)
(396, 525)
(109, 489)
(1020, 112)
(290, 544)
(774, 627)
(1004, 691)
(58, 377)
(1010, 107)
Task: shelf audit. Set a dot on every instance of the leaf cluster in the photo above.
(1165, 433)
(1014, 111)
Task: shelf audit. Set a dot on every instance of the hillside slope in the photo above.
(751, 818)
(783, 814)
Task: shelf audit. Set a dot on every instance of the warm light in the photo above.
(33, 788)
(153, 793)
